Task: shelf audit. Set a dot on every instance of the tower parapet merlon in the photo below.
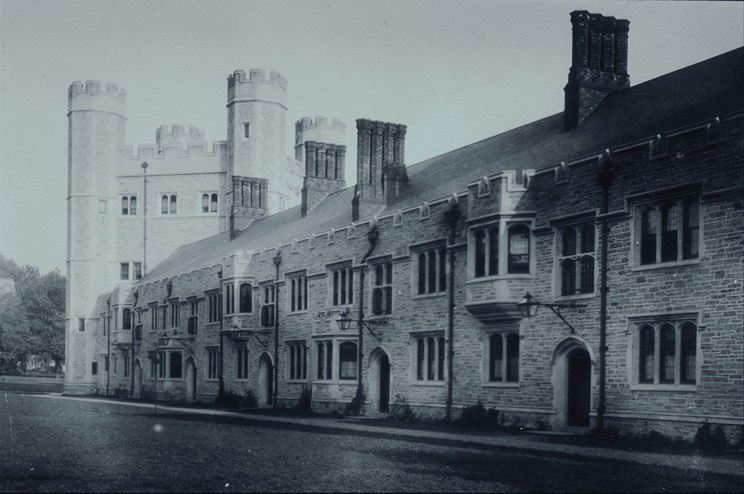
(93, 88)
(154, 151)
(320, 123)
(256, 86)
(94, 96)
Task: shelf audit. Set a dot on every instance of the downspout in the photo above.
(131, 328)
(219, 299)
(605, 177)
(372, 236)
(277, 263)
(451, 216)
(108, 344)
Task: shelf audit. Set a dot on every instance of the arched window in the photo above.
(246, 297)
(126, 316)
(420, 353)
(512, 357)
(430, 364)
(587, 274)
(688, 350)
(691, 233)
(213, 203)
(205, 203)
(164, 205)
(519, 249)
(646, 355)
(648, 236)
(173, 204)
(480, 253)
(125, 205)
(666, 354)
(496, 360)
(669, 227)
(568, 276)
(569, 242)
(587, 239)
(347, 352)
(175, 365)
(440, 358)
(133, 205)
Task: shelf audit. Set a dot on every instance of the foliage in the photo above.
(478, 416)
(400, 410)
(710, 440)
(231, 399)
(356, 404)
(304, 405)
(32, 319)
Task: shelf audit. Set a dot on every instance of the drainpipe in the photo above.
(605, 177)
(219, 299)
(108, 344)
(451, 217)
(131, 328)
(277, 262)
(372, 236)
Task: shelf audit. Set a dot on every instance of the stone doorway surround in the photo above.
(565, 357)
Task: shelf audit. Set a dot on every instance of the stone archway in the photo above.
(572, 383)
(265, 380)
(190, 380)
(137, 391)
(379, 380)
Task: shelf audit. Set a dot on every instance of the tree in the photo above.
(37, 311)
(15, 337)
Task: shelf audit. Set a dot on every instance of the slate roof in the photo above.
(702, 91)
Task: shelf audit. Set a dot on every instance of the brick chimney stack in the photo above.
(381, 169)
(599, 64)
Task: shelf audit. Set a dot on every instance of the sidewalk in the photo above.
(527, 443)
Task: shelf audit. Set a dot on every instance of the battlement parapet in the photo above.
(321, 129)
(320, 123)
(155, 151)
(93, 95)
(177, 136)
(256, 86)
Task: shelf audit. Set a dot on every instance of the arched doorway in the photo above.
(379, 380)
(190, 380)
(578, 387)
(265, 380)
(572, 383)
(137, 391)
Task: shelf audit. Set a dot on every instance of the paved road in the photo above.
(61, 444)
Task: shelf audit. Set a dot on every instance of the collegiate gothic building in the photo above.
(584, 269)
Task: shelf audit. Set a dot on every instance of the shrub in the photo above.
(401, 410)
(231, 399)
(478, 416)
(355, 406)
(304, 404)
(708, 440)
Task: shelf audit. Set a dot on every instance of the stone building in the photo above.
(615, 225)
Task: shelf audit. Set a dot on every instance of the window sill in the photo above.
(435, 384)
(662, 265)
(686, 388)
(484, 279)
(297, 312)
(494, 384)
(581, 296)
(429, 295)
(335, 381)
(297, 381)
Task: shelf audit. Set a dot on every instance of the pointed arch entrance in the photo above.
(190, 380)
(265, 379)
(379, 380)
(137, 391)
(572, 383)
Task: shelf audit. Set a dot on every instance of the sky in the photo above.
(454, 71)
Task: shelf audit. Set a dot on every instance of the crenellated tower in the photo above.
(97, 126)
(320, 148)
(256, 136)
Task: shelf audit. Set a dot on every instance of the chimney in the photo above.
(324, 173)
(599, 64)
(381, 169)
(250, 202)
